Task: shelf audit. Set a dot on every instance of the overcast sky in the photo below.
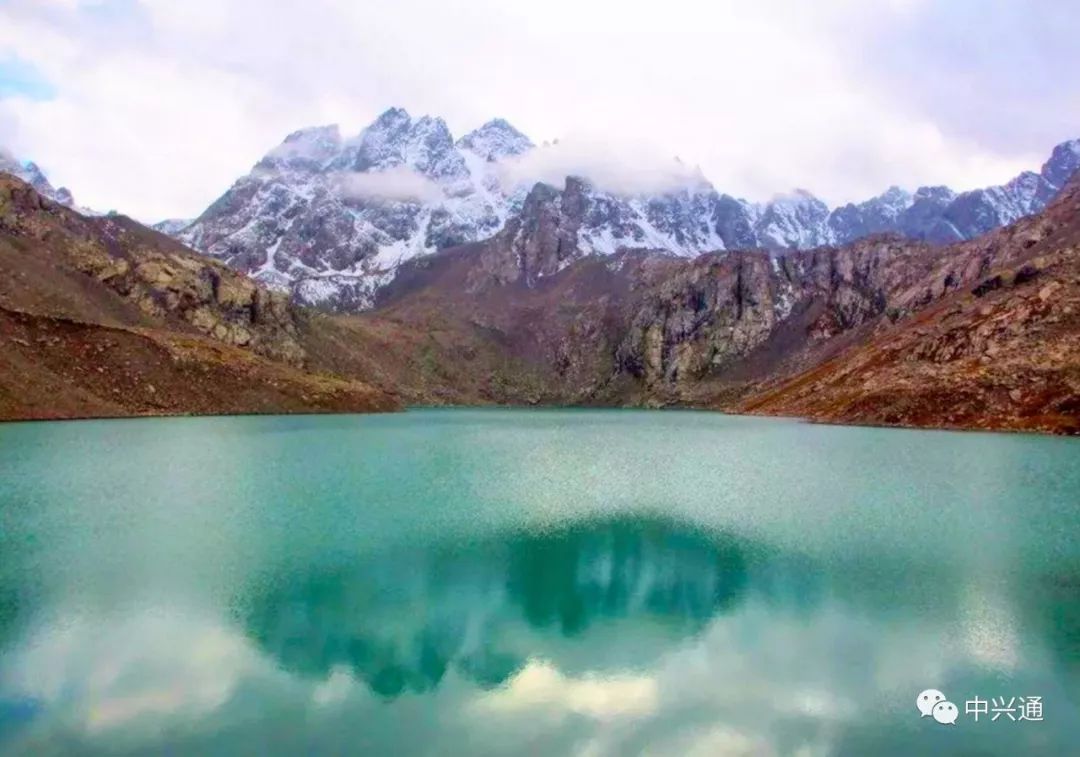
(154, 107)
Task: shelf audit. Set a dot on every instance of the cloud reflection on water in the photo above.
(604, 638)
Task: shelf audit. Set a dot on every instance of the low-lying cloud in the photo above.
(400, 184)
(625, 170)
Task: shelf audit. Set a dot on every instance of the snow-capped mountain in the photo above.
(330, 219)
(35, 177)
(798, 220)
(939, 215)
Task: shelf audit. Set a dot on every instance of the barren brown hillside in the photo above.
(104, 317)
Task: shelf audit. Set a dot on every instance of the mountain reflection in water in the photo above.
(399, 620)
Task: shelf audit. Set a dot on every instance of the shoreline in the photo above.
(1064, 434)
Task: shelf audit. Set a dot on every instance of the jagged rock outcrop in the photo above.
(702, 318)
(161, 278)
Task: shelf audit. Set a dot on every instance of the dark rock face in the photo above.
(103, 317)
(544, 236)
(879, 215)
(733, 224)
(701, 319)
(923, 218)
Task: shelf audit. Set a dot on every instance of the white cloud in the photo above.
(540, 685)
(161, 105)
(622, 171)
(399, 183)
(157, 665)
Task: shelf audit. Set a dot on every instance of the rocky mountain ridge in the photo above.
(1000, 348)
(331, 219)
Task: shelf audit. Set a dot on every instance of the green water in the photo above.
(532, 582)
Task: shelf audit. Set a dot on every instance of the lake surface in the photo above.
(564, 582)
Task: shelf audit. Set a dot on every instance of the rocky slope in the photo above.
(750, 331)
(1001, 350)
(331, 219)
(101, 316)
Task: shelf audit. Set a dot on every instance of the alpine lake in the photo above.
(535, 582)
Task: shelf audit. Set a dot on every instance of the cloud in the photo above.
(156, 665)
(540, 685)
(158, 106)
(626, 171)
(989, 71)
(399, 183)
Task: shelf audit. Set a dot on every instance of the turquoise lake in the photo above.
(534, 582)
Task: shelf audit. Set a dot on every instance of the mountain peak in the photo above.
(29, 172)
(329, 131)
(432, 128)
(797, 196)
(895, 193)
(392, 116)
(936, 194)
(395, 139)
(310, 147)
(1063, 163)
(892, 201)
(496, 139)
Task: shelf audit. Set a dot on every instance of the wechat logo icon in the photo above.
(932, 703)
